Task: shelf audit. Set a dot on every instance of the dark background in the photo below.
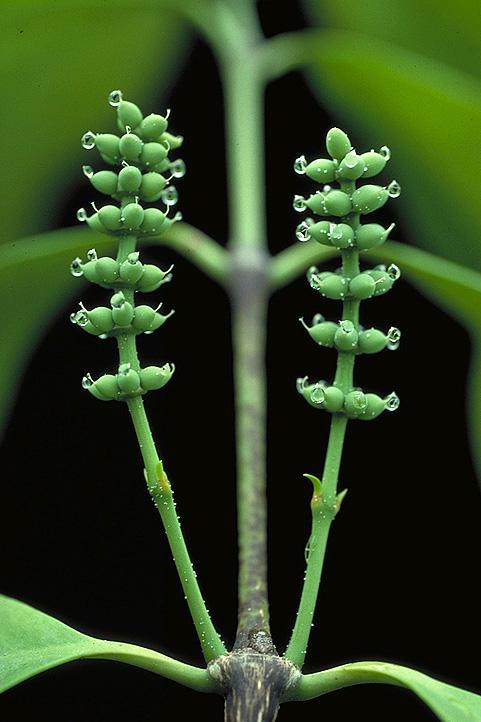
(80, 539)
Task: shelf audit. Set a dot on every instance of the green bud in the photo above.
(128, 380)
(152, 278)
(108, 145)
(110, 216)
(130, 179)
(153, 221)
(105, 388)
(101, 318)
(337, 203)
(152, 186)
(371, 235)
(333, 399)
(369, 198)
(174, 141)
(375, 406)
(154, 377)
(320, 232)
(333, 286)
(354, 403)
(341, 235)
(362, 286)
(133, 215)
(146, 319)
(382, 281)
(106, 270)
(372, 341)
(152, 126)
(123, 315)
(105, 181)
(95, 223)
(131, 270)
(374, 163)
(321, 170)
(313, 393)
(317, 203)
(161, 167)
(130, 146)
(153, 153)
(337, 143)
(128, 114)
(346, 336)
(352, 167)
(322, 332)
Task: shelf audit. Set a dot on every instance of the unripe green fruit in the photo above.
(322, 333)
(371, 235)
(161, 167)
(89, 271)
(153, 153)
(153, 221)
(374, 163)
(317, 203)
(333, 399)
(355, 403)
(131, 270)
(375, 406)
(108, 145)
(152, 186)
(123, 315)
(130, 146)
(130, 179)
(352, 167)
(372, 341)
(152, 126)
(341, 235)
(101, 318)
(322, 170)
(333, 286)
(151, 279)
(110, 216)
(337, 203)
(362, 286)
(105, 181)
(106, 270)
(106, 388)
(133, 215)
(369, 198)
(95, 223)
(346, 336)
(128, 380)
(321, 232)
(143, 318)
(128, 114)
(382, 281)
(337, 143)
(154, 377)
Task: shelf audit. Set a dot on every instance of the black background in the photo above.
(80, 539)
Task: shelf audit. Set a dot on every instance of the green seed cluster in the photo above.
(142, 153)
(349, 284)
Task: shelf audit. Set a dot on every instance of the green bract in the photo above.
(142, 154)
(348, 283)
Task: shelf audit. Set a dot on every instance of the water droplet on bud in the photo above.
(393, 271)
(300, 383)
(88, 170)
(133, 257)
(394, 189)
(92, 254)
(302, 231)
(87, 381)
(317, 394)
(169, 196)
(178, 168)
(115, 98)
(81, 215)
(392, 402)
(88, 140)
(124, 369)
(76, 267)
(300, 165)
(385, 152)
(299, 203)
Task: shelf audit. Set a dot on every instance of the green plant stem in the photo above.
(289, 264)
(161, 492)
(198, 248)
(324, 504)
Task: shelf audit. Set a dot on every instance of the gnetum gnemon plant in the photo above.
(252, 676)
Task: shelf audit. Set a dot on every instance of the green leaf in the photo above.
(58, 61)
(430, 116)
(32, 642)
(449, 703)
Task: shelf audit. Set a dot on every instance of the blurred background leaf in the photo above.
(58, 61)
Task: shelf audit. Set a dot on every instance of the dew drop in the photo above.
(300, 165)
(82, 215)
(115, 98)
(88, 170)
(393, 346)
(317, 394)
(299, 203)
(393, 272)
(394, 335)
(102, 336)
(394, 189)
(326, 189)
(88, 140)
(178, 168)
(385, 151)
(79, 318)
(335, 231)
(87, 381)
(169, 196)
(392, 402)
(124, 369)
(76, 267)
(351, 159)
(301, 383)
(92, 254)
(133, 257)
(317, 318)
(178, 216)
(302, 232)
